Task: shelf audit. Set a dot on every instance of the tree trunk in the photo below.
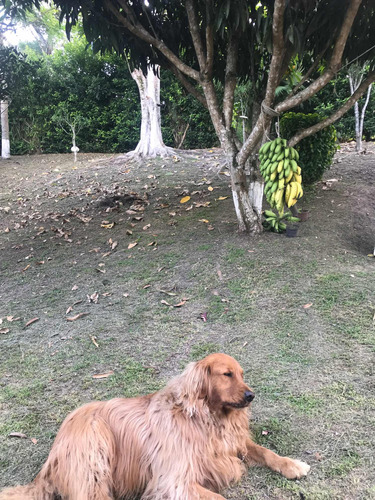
(5, 143)
(354, 83)
(151, 142)
(362, 118)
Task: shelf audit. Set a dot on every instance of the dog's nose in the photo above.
(249, 396)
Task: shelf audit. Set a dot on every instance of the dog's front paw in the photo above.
(294, 469)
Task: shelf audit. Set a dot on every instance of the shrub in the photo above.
(316, 151)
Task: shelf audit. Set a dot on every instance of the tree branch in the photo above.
(139, 31)
(230, 79)
(334, 63)
(209, 40)
(188, 86)
(195, 34)
(264, 120)
(335, 116)
(313, 67)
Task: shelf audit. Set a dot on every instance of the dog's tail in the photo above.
(30, 491)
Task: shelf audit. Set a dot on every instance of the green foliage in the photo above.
(100, 90)
(316, 151)
(183, 111)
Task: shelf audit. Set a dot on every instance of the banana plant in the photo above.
(276, 222)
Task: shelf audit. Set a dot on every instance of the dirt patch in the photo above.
(107, 243)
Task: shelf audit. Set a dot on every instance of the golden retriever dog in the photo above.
(187, 441)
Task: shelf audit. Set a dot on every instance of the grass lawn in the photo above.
(110, 241)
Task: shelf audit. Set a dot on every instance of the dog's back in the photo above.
(87, 446)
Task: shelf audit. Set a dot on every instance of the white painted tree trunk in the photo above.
(362, 119)
(256, 189)
(247, 199)
(354, 83)
(151, 142)
(5, 143)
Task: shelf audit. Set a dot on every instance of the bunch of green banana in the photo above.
(282, 175)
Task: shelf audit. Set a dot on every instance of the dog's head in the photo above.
(218, 380)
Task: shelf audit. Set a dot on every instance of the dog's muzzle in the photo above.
(249, 396)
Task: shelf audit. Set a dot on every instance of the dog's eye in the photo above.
(227, 374)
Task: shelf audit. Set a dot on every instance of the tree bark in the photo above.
(151, 142)
(5, 143)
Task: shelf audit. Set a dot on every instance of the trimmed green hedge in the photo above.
(316, 152)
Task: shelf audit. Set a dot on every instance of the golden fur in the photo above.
(187, 441)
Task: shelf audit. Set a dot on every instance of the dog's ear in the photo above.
(194, 386)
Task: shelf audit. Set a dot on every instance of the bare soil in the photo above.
(123, 279)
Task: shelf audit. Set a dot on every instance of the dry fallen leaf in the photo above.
(103, 375)
(132, 245)
(265, 433)
(34, 440)
(75, 287)
(94, 341)
(165, 303)
(204, 220)
(147, 226)
(210, 188)
(31, 321)
(70, 308)
(203, 317)
(129, 232)
(17, 435)
(168, 293)
(306, 306)
(107, 226)
(93, 297)
(185, 199)
(180, 304)
(12, 318)
(4, 330)
(222, 198)
(77, 316)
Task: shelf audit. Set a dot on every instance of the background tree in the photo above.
(151, 141)
(14, 70)
(355, 77)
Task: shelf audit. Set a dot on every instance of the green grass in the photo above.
(345, 464)
(306, 403)
(203, 349)
(310, 368)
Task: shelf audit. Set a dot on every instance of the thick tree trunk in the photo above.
(5, 143)
(151, 142)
